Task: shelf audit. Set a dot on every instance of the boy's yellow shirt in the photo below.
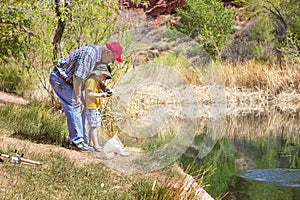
(93, 85)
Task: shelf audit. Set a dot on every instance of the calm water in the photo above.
(256, 158)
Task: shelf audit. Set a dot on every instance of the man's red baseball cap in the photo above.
(116, 48)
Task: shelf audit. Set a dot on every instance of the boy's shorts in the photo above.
(93, 117)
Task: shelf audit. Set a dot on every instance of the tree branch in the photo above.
(2, 21)
(277, 14)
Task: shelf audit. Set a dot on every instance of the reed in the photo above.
(271, 77)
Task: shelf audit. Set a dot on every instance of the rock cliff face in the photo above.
(161, 7)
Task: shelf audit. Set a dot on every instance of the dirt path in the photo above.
(10, 98)
(8, 144)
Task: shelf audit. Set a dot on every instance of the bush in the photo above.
(208, 21)
(276, 30)
(15, 79)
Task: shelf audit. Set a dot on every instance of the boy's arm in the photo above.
(93, 95)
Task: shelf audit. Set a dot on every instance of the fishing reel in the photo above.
(108, 91)
(17, 158)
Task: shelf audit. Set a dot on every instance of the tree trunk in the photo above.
(57, 52)
(62, 20)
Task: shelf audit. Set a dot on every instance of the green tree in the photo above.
(25, 43)
(35, 34)
(92, 22)
(15, 26)
(209, 22)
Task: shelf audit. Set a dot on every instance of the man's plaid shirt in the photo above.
(80, 63)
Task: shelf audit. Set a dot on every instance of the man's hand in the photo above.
(77, 104)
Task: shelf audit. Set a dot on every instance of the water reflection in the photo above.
(267, 143)
(267, 154)
(252, 126)
(246, 189)
(282, 177)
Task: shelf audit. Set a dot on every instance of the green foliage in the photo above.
(289, 46)
(34, 121)
(221, 158)
(209, 22)
(277, 28)
(90, 25)
(145, 3)
(264, 41)
(158, 142)
(10, 78)
(275, 152)
(15, 79)
(28, 29)
(14, 33)
(28, 25)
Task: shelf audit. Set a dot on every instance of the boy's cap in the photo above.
(102, 69)
(116, 48)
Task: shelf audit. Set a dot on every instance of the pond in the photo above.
(257, 157)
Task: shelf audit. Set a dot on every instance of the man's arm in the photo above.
(77, 85)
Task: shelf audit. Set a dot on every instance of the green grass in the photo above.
(35, 121)
(61, 178)
(145, 189)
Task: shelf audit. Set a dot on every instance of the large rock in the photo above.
(162, 7)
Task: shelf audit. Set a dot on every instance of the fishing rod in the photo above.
(19, 158)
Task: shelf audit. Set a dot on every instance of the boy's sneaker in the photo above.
(122, 152)
(81, 147)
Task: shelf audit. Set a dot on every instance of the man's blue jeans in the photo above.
(75, 116)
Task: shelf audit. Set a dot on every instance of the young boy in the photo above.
(93, 93)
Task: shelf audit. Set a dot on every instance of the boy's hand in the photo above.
(108, 92)
(105, 94)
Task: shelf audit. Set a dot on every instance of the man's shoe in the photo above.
(81, 147)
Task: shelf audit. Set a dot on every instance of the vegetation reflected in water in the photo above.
(268, 140)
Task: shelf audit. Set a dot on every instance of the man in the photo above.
(67, 78)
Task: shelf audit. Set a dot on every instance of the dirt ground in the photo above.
(10, 98)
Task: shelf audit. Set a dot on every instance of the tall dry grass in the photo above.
(271, 77)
